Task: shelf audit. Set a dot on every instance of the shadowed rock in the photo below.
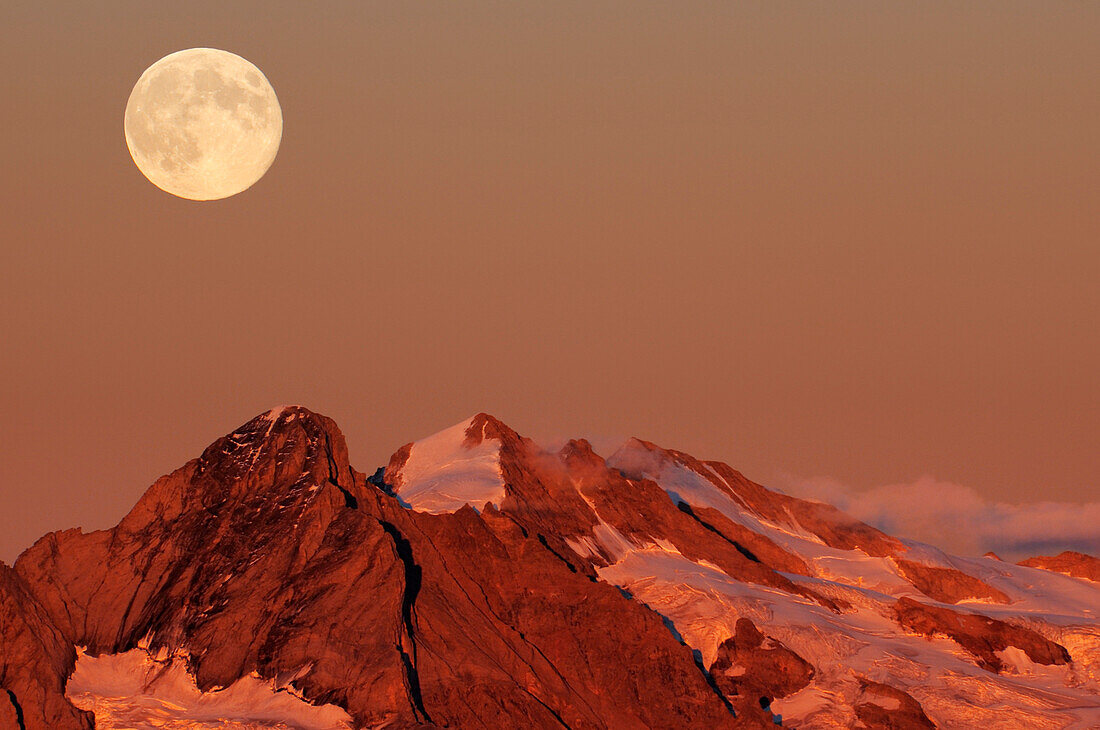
(752, 667)
(269, 553)
(882, 707)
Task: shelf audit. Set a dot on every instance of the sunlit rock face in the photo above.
(269, 554)
(479, 580)
(35, 660)
(1075, 564)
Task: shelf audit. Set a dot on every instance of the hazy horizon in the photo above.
(847, 244)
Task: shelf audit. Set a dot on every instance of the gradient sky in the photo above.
(858, 241)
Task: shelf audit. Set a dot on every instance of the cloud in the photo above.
(958, 519)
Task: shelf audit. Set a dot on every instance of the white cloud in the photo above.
(959, 520)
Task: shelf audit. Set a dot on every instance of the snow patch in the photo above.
(442, 474)
(1017, 661)
(136, 690)
(703, 604)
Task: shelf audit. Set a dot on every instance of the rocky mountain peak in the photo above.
(639, 459)
(457, 466)
(274, 443)
(483, 581)
(483, 426)
(267, 469)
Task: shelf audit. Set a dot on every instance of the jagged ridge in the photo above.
(479, 580)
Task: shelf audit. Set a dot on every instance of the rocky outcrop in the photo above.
(752, 545)
(641, 458)
(479, 580)
(948, 585)
(981, 636)
(753, 669)
(523, 611)
(270, 554)
(1075, 564)
(35, 660)
(882, 707)
(587, 513)
(239, 557)
(643, 512)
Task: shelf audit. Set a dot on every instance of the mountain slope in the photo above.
(482, 581)
(706, 548)
(35, 660)
(270, 555)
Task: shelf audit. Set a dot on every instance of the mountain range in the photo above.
(479, 580)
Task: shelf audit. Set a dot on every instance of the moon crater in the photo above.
(203, 124)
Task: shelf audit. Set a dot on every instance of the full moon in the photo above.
(203, 124)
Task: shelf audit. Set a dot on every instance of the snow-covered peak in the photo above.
(639, 459)
(683, 477)
(459, 465)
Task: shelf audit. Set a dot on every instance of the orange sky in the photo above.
(845, 240)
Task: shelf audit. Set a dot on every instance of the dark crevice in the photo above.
(556, 554)
(672, 628)
(334, 475)
(686, 509)
(551, 710)
(487, 611)
(413, 579)
(378, 479)
(698, 657)
(349, 499)
(542, 540)
(18, 710)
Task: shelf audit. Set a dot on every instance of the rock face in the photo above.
(753, 670)
(883, 707)
(981, 636)
(827, 523)
(269, 554)
(479, 580)
(1078, 565)
(824, 522)
(35, 660)
(947, 584)
(585, 511)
